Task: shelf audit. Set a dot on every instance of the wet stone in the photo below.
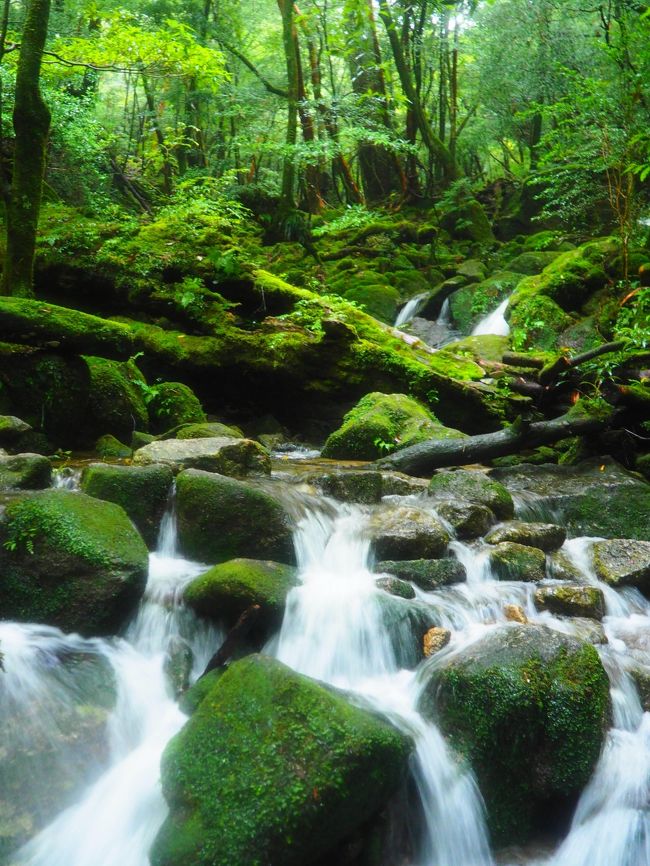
(395, 586)
(545, 536)
(428, 574)
(434, 640)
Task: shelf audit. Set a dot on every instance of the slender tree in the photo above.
(31, 118)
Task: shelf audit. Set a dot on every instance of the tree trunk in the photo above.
(438, 453)
(432, 142)
(31, 124)
(289, 164)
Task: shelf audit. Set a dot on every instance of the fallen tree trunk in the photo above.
(42, 325)
(553, 371)
(438, 453)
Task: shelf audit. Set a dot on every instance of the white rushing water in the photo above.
(495, 323)
(411, 309)
(118, 816)
(334, 630)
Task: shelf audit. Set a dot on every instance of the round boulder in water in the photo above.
(467, 519)
(228, 456)
(528, 707)
(274, 768)
(622, 562)
(407, 533)
(229, 589)
(25, 472)
(71, 561)
(142, 491)
(428, 574)
(585, 601)
(221, 518)
(545, 536)
(473, 485)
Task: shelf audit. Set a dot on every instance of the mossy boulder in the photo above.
(207, 431)
(109, 448)
(512, 561)
(272, 768)
(25, 472)
(622, 562)
(237, 457)
(472, 485)
(467, 519)
(528, 707)
(220, 518)
(70, 561)
(596, 497)
(172, 404)
(378, 299)
(428, 574)
(536, 321)
(571, 600)
(142, 491)
(467, 220)
(116, 403)
(545, 536)
(361, 487)
(531, 262)
(224, 592)
(407, 533)
(395, 586)
(382, 423)
(12, 429)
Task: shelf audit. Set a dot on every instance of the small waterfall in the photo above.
(334, 630)
(494, 323)
(411, 309)
(444, 318)
(118, 816)
(66, 478)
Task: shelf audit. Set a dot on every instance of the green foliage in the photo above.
(354, 217)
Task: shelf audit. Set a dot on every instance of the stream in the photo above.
(332, 631)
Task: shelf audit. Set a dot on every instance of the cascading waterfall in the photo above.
(333, 630)
(494, 323)
(116, 820)
(410, 309)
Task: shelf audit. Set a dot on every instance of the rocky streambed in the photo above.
(400, 670)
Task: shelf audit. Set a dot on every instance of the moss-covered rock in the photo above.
(109, 448)
(597, 497)
(362, 487)
(227, 590)
(467, 220)
(172, 404)
(220, 518)
(71, 561)
(378, 299)
(395, 586)
(12, 429)
(536, 321)
(382, 423)
(528, 707)
(470, 304)
(512, 561)
(116, 403)
(25, 472)
(273, 769)
(531, 262)
(142, 491)
(208, 430)
(428, 574)
(237, 457)
(467, 519)
(473, 486)
(407, 533)
(545, 536)
(587, 601)
(622, 562)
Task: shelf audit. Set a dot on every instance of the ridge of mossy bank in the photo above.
(273, 769)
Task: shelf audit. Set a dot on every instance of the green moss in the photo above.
(512, 561)
(115, 402)
(471, 303)
(220, 519)
(110, 448)
(172, 404)
(379, 300)
(383, 423)
(530, 719)
(207, 431)
(70, 560)
(229, 589)
(142, 491)
(531, 263)
(536, 321)
(264, 769)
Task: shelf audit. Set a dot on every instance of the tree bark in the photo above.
(31, 120)
(288, 41)
(438, 453)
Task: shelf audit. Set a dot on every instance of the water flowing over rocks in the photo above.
(550, 689)
(227, 456)
(263, 769)
(473, 486)
(428, 574)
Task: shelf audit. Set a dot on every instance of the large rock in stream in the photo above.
(407, 533)
(597, 497)
(25, 472)
(142, 491)
(70, 561)
(272, 768)
(221, 518)
(528, 707)
(228, 456)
